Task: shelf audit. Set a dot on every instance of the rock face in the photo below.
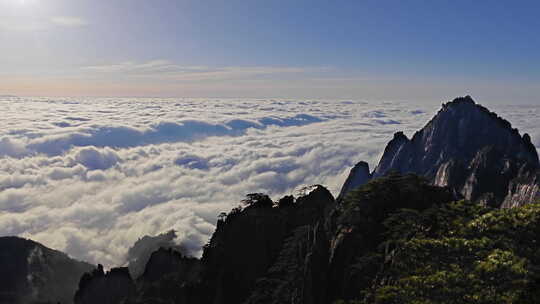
(523, 189)
(33, 273)
(469, 149)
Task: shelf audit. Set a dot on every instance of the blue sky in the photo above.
(407, 50)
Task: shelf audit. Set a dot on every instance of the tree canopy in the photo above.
(459, 252)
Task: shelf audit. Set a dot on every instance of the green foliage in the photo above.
(457, 253)
(371, 203)
(364, 210)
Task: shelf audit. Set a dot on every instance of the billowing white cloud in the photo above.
(91, 176)
(12, 147)
(93, 158)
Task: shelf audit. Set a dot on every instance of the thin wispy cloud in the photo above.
(68, 21)
(169, 70)
(18, 24)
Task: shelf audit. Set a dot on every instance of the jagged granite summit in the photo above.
(467, 148)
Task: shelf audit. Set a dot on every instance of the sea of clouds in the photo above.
(91, 176)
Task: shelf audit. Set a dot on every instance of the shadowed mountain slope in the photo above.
(33, 273)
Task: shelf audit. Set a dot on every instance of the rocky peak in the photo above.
(98, 286)
(478, 127)
(458, 131)
(318, 197)
(466, 147)
(399, 137)
(165, 261)
(359, 175)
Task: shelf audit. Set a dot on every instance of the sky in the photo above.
(377, 50)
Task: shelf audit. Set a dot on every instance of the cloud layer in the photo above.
(91, 176)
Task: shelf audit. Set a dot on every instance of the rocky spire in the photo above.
(359, 175)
